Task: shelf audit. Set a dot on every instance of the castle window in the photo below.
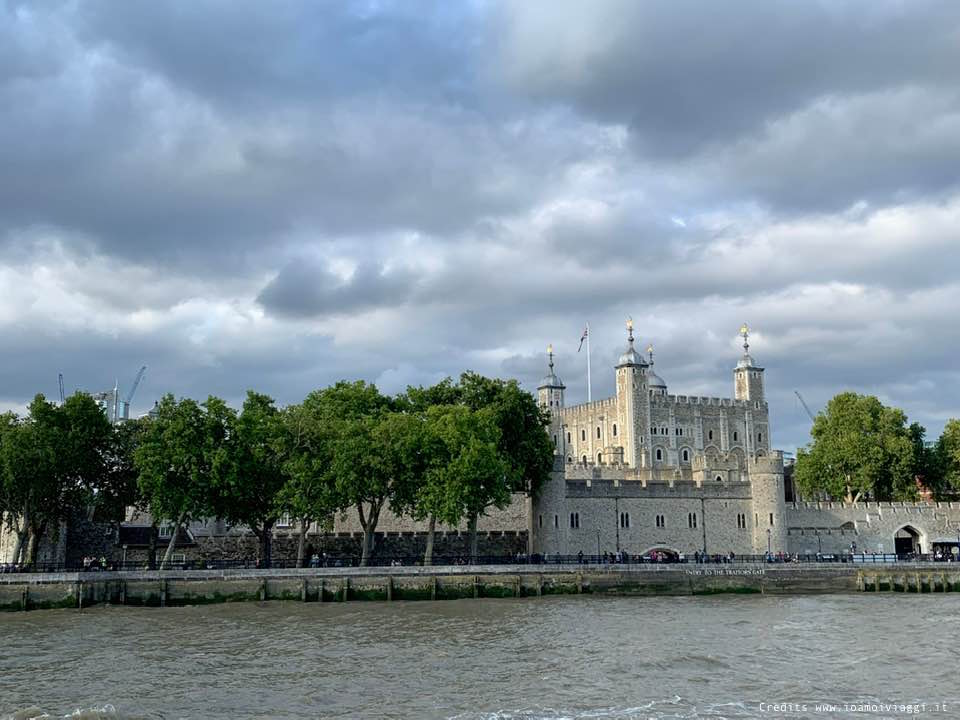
(692, 520)
(555, 441)
(757, 405)
(569, 459)
(741, 521)
(541, 521)
(598, 432)
(660, 521)
(734, 435)
(583, 435)
(719, 478)
(574, 520)
(624, 520)
(599, 458)
(686, 455)
(556, 521)
(614, 429)
(284, 521)
(659, 454)
(759, 437)
(756, 518)
(771, 519)
(584, 459)
(710, 435)
(568, 437)
(664, 430)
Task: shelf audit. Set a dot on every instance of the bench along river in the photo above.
(580, 656)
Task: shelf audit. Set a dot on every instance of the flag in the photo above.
(586, 331)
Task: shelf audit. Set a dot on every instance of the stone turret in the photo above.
(633, 403)
(747, 375)
(550, 396)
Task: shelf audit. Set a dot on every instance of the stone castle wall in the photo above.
(872, 526)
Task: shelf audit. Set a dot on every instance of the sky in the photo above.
(276, 196)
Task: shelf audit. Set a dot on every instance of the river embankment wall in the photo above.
(29, 591)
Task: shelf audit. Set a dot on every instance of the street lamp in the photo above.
(598, 544)
(819, 544)
(768, 542)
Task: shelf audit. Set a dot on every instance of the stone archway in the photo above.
(664, 553)
(908, 541)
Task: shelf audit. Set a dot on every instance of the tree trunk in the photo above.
(266, 545)
(472, 530)
(173, 541)
(302, 541)
(21, 534)
(369, 525)
(33, 544)
(428, 553)
(152, 549)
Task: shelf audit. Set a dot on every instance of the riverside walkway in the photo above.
(28, 591)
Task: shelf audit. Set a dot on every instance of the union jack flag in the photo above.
(586, 331)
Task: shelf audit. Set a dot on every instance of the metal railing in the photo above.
(453, 560)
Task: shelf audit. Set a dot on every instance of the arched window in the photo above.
(734, 435)
(584, 459)
(556, 521)
(659, 454)
(574, 520)
(692, 520)
(686, 455)
(569, 459)
(759, 437)
(583, 435)
(771, 519)
(660, 521)
(541, 521)
(555, 441)
(710, 435)
(599, 458)
(614, 429)
(598, 432)
(568, 437)
(719, 478)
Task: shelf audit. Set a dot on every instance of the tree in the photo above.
(353, 411)
(465, 471)
(308, 494)
(51, 461)
(248, 482)
(859, 447)
(183, 447)
(947, 458)
(116, 489)
(524, 446)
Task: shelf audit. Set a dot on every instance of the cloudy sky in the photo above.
(280, 195)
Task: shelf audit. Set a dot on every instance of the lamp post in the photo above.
(598, 545)
(819, 544)
(768, 543)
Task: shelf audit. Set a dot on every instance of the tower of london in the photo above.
(649, 470)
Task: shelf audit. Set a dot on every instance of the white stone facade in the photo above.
(647, 470)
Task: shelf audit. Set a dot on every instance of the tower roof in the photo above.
(550, 380)
(630, 356)
(747, 360)
(654, 380)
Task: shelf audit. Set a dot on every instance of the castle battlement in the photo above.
(892, 505)
(701, 400)
(590, 408)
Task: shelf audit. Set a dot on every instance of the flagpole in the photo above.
(589, 391)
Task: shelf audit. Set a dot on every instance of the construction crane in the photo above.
(136, 384)
(60, 378)
(805, 406)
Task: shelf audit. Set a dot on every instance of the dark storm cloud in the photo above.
(306, 288)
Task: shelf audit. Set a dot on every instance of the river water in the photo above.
(560, 657)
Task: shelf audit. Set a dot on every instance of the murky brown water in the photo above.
(723, 657)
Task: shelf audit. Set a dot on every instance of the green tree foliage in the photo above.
(947, 459)
(51, 463)
(308, 493)
(860, 447)
(249, 477)
(182, 450)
